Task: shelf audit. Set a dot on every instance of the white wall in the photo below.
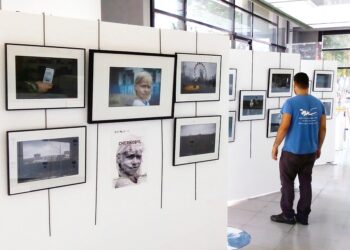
(251, 171)
(132, 218)
(83, 9)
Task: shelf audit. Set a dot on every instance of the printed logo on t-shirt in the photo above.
(308, 117)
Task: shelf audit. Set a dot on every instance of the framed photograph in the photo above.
(196, 139)
(43, 77)
(231, 126)
(273, 122)
(126, 86)
(328, 106)
(252, 105)
(232, 83)
(323, 81)
(280, 82)
(197, 77)
(46, 158)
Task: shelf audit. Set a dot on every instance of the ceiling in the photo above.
(319, 14)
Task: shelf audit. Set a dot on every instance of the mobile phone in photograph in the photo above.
(48, 75)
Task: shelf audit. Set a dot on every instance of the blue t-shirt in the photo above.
(306, 112)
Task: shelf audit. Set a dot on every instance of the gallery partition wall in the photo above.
(71, 154)
(249, 25)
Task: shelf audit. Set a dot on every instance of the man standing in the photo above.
(303, 126)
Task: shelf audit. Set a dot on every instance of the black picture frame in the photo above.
(61, 95)
(198, 59)
(232, 118)
(284, 71)
(14, 186)
(316, 88)
(102, 113)
(196, 158)
(252, 117)
(270, 134)
(331, 101)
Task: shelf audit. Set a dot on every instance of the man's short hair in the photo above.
(302, 80)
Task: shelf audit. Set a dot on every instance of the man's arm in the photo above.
(281, 133)
(321, 135)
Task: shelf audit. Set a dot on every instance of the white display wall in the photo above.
(179, 208)
(251, 170)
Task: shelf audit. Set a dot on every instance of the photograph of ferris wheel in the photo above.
(198, 77)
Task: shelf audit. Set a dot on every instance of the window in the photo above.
(282, 31)
(245, 4)
(245, 21)
(341, 56)
(168, 22)
(172, 6)
(264, 31)
(191, 26)
(215, 13)
(339, 41)
(264, 13)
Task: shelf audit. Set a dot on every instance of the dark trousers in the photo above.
(292, 165)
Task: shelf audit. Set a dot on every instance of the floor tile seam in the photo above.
(251, 219)
(319, 192)
(253, 211)
(322, 238)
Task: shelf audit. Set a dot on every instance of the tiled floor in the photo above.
(329, 222)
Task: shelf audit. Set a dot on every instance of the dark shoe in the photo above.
(301, 221)
(280, 218)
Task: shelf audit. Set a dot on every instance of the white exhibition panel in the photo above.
(251, 171)
(177, 196)
(68, 213)
(211, 182)
(124, 37)
(260, 169)
(68, 32)
(19, 213)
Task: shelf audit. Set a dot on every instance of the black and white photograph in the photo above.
(323, 81)
(125, 86)
(39, 77)
(252, 105)
(132, 153)
(196, 139)
(231, 126)
(129, 162)
(328, 107)
(273, 122)
(197, 77)
(232, 83)
(280, 82)
(41, 159)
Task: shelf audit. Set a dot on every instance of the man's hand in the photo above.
(43, 87)
(274, 152)
(318, 153)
